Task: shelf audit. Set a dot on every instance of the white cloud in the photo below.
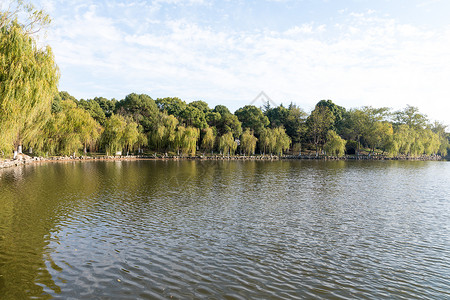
(365, 60)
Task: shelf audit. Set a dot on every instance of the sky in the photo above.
(380, 53)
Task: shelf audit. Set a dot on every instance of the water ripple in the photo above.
(227, 230)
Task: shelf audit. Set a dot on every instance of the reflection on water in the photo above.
(235, 230)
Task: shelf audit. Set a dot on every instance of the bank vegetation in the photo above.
(38, 119)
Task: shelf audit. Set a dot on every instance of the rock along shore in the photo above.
(23, 159)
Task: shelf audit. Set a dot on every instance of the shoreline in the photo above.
(27, 160)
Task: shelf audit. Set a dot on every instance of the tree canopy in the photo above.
(29, 78)
(34, 115)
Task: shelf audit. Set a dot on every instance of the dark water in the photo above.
(226, 230)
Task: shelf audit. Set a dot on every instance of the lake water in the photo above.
(225, 230)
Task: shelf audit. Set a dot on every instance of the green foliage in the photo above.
(253, 118)
(171, 106)
(227, 144)
(190, 138)
(227, 122)
(334, 145)
(192, 116)
(295, 123)
(368, 126)
(267, 141)
(248, 142)
(209, 139)
(336, 110)
(35, 115)
(319, 122)
(130, 135)
(200, 105)
(410, 116)
(282, 140)
(431, 141)
(439, 129)
(163, 136)
(70, 130)
(108, 106)
(112, 137)
(94, 110)
(141, 108)
(277, 116)
(404, 138)
(186, 140)
(274, 140)
(29, 79)
(33, 19)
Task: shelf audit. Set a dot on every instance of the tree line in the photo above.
(37, 118)
(170, 125)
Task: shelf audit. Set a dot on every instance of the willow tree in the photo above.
(130, 135)
(73, 129)
(335, 145)
(248, 142)
(209, 139)
(112, 137)
(28, 77)
(163, 134)
(227, 144)
(282, 140)
(191, 135)
(431, 142)
(267, 141)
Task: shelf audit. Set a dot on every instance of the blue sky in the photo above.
(379, 53)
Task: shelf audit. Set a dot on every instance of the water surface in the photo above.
(225, 230)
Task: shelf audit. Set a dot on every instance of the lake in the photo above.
(225, 230)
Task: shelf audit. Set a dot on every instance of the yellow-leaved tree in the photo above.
(28, 78)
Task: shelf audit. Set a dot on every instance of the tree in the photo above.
(439, 129)
(142, 139)
(353, 128)
(171, 106)
(295, 123)
(186, 140)
(112, 137)
(248, 142)
(336, 110)
(192, 116)
(28, 76)
(267, 141)
(163, 136)
(190, 139)
(94, 109)
(141, 108)
(319, 122)
(130, 135)
(34, 19)
(209, 139)
(71, 130)
(108, 106)
(282, 140)
(227, 144)
(431, 141)
(277, 116)
(253, 118)
(227, 122)
(179, 138)
(367, 126)
(200, 105)
(335, 145)
(411, 117)
(404, 137)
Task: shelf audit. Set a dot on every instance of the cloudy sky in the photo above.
(354, 52)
